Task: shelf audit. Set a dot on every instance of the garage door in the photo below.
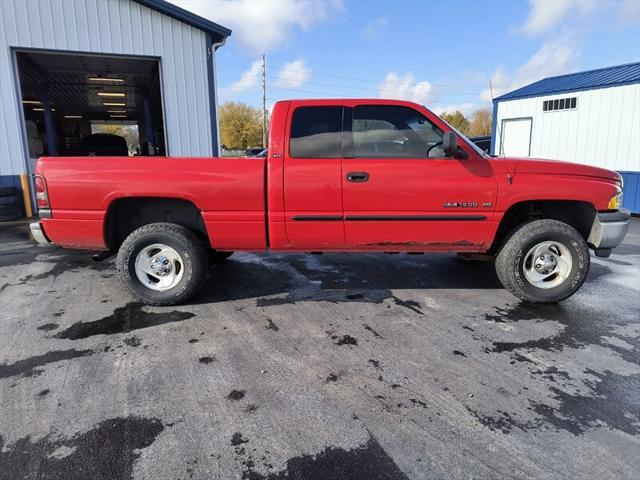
(515, 138)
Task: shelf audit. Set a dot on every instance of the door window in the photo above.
(316, 132)
(394, 131)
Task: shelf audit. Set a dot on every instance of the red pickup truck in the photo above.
(340, 175)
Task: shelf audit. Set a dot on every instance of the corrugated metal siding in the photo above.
(631, 198)
(603, 130)
(110, 27)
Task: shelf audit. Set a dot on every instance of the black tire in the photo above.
(184, 242)
(10, 199)
(218, 257)
(8, 191)
(510, 262)
(11, 216)
(9, 208)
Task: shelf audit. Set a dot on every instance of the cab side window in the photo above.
(394, 131)
(316, 132)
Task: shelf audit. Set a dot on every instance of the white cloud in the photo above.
(248, 79)
(406, 88)
(555, 57)
(629, 13)
(374, 28)
(262, 25)
(547, 15)
(293, 75)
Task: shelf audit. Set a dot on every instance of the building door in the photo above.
(401, 191)
(312, 178)
(515, 138)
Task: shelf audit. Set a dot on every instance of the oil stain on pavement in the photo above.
(123, 320)
(368, 461)
(108, 451)
(604, 399)
(29, 367)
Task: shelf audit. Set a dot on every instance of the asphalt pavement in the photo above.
(316, 367)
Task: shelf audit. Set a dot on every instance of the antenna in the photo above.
(264, 101)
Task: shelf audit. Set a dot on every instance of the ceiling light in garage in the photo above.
(110, 94)
(112, 104)
(32, 102)
(35, 109)
(118, 116)
(73, 116)
(105, 79)
(116, 111)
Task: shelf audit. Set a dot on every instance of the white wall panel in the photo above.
(119, 27)
(604, 129)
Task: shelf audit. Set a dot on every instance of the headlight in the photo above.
(616, 201)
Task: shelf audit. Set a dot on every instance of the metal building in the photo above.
(74, 68)
(590, 117)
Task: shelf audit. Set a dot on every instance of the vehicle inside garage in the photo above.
(77, 104)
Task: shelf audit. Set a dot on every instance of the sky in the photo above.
(447, 55)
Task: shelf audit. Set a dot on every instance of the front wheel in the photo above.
(544, 261)
(162, 264)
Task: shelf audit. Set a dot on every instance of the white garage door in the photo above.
(515, 139)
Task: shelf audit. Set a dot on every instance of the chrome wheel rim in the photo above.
(547, 264)
(159, 267)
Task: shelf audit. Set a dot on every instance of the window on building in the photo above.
(316, 132)
(559, 104)
(392, 131)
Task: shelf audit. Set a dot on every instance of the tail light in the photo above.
(42, 196)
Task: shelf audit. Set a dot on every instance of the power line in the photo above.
(334, 95)
(368, 89)
(378, 81)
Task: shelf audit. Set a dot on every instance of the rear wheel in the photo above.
(544, 261)
(162, 264)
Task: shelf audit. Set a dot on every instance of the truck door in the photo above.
(313, 177)
(399, 190)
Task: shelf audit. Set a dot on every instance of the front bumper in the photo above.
(608, 230)
(38, 233)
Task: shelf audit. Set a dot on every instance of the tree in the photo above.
(240, 126)
(457, 120)
(480, 124)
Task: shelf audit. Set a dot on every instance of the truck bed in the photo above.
(229, 193)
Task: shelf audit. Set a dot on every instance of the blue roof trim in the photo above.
(573, 82)
(196, 21)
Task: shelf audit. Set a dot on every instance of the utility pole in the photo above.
(264, 101)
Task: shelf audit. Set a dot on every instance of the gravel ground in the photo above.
(316, 367)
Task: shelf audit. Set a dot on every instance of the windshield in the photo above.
(469, 142)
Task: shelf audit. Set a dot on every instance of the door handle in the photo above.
(357, 176)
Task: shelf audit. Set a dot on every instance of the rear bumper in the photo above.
(608, 229)
(38, 233)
